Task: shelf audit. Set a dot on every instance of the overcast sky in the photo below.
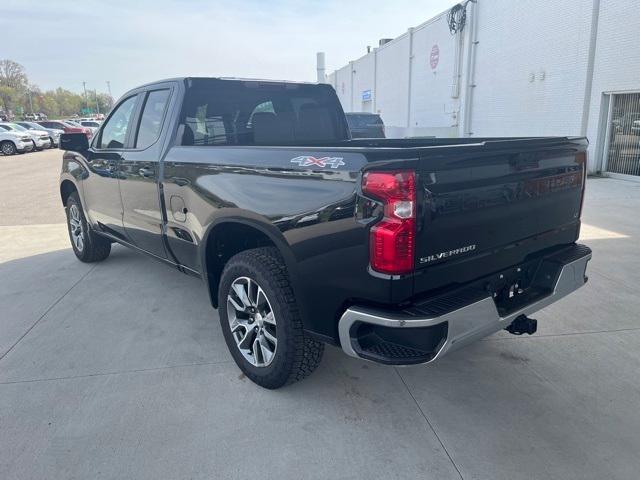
(62, 43)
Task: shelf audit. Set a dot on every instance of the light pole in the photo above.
(30, 100)
(84, 87)
(97, 104)
(109, 88)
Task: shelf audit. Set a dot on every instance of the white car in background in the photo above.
(92, 124)
(40, 138)
(12, 141)
(54, 134)
(81, 123)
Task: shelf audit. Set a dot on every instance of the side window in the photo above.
(263, 107)
(151, 118)
(115, 130)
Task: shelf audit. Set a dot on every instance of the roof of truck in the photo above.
(178, 79)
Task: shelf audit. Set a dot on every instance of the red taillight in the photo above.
(392, 240)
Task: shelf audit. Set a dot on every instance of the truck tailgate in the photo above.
(482, 208)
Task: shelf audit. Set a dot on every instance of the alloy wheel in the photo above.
(252, 322)
(75, 227)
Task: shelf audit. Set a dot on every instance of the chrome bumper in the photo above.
(466, 324)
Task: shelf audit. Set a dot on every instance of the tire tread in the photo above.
(304, 353)
(97, 248)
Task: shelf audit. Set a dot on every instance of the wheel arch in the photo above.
(218, 248)
(67, 187)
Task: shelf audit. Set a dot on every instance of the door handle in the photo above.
(146, 172)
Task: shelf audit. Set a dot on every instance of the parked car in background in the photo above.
(14, 141)
(627, 124)
(64, 126)
(365, 125)
(92, 124)
(54, 134)
(76, 123)
(40, 138)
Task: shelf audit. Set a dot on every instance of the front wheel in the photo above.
(87, 245)
(261, 322)
(8, 148)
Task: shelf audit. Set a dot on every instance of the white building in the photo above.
(518, 68)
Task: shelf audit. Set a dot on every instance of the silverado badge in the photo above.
(450, 253)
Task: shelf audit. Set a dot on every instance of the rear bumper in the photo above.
(431, 329)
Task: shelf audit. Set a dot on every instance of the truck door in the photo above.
(139, 174)
(101, 192)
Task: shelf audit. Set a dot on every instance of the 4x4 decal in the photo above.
(308, 161)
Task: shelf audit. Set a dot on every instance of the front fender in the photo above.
(74, 171)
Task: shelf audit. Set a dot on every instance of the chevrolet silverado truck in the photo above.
(399, 251)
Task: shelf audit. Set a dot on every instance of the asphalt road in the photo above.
(119, 370)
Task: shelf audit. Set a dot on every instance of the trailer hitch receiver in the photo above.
(523, 324)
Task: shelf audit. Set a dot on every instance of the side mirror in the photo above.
(74, 142)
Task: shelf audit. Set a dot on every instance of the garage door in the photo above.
(623, 147)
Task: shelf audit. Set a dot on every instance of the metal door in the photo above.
(622, 147)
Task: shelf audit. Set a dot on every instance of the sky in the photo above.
(64, 42)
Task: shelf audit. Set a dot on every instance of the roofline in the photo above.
(237, 79)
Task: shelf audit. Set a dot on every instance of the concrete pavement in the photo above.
(119, 370)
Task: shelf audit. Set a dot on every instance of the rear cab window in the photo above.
(236, 112)
(153, 113)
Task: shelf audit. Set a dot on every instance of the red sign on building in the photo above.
(434, 58)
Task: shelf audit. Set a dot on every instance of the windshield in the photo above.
(15, 126)
(71, 123)
(361, 121)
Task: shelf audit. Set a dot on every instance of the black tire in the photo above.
(8, 148)
(51, 144)
(93, 247)
(296, 355)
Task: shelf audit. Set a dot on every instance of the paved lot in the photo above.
(119, 370)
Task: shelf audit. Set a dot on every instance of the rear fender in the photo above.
(262, 225)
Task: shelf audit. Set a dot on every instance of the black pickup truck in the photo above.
(398, 251)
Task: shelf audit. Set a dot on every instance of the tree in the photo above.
(12, 75)
(99, 102)
(9, 98)
(18, 96)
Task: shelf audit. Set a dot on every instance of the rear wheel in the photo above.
(87, 245)
(261, 322)
(8, 148)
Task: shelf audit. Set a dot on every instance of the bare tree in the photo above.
(12, 75)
